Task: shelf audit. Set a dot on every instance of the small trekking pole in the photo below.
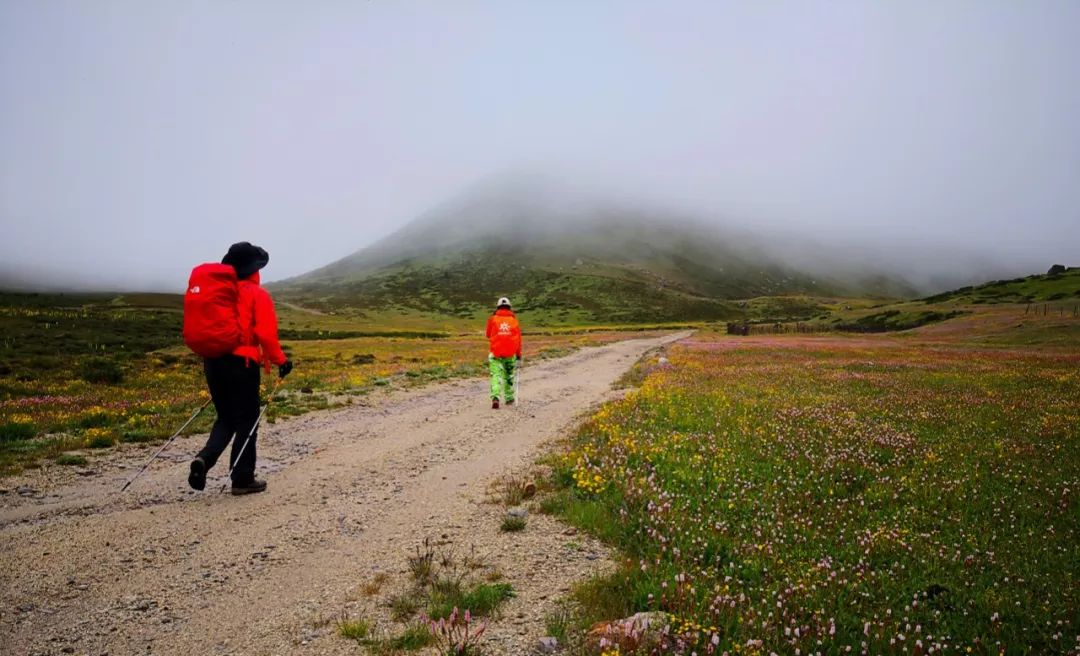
(167, 443)
(258, 420)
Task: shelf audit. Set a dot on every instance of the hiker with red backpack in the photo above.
(504, 341)
(229, 319)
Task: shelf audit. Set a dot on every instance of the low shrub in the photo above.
(101, 370)
(481, 600)
(512, 524)
(99, 438)
(95, 418)
(136, 436)
(70, 459)
(14, 431)
(358, 629)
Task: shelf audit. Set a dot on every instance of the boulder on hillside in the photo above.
(1056, 269)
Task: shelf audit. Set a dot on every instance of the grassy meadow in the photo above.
(889, 494)
(85, 372)
(909, 492)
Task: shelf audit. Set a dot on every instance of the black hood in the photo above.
(246, 258)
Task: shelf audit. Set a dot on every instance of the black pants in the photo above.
(234, 386)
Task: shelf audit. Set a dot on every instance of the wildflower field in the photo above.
(82, 373)
(838, 495)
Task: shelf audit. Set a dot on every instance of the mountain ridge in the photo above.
(575, 259)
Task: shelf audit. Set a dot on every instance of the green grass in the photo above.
(481, 599)
(549, 298)
(355, 629)
(612, 597)
(784, 308)
(95, 418)
(101, 370)
(559, 623)
(70, 459)
(44, 333)
(846, 488)
(404, 606)
(442, 581)
(321, 334)
(894, 320)
(413, 637)
(1061, 287)
(512, 524)
(17, 431)
(100, 441)
(1034, 334)
(137, 436)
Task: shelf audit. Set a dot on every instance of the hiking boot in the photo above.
(253, 487)
(494, 404)
(197, 476)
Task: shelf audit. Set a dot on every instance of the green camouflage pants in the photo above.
(502, 377)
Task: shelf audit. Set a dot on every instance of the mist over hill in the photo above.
(60, 278)
(574, 256)
(567, 255)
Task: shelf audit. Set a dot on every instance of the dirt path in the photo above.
(163, 570)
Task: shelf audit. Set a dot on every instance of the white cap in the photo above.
(503, 301)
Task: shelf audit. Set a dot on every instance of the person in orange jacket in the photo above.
(504, 338)
(233, 379)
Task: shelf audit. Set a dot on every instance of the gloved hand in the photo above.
(284, 369)
(519, 357)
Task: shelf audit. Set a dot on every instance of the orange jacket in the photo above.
(504, 334)
(258, 324)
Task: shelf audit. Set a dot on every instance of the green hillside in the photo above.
(656, 285)
(570, 265)
(1043, 288)
(996, 308)
(466, 288)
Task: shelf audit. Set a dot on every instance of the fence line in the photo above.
(1045, 309)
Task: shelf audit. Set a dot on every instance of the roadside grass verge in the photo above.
(445, 604)
(413, 637)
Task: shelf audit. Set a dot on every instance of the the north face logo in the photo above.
(194, 290)
(504, 328)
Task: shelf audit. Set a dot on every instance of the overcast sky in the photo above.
(138, 138)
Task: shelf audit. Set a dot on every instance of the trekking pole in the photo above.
(243, 447)
(167, 443)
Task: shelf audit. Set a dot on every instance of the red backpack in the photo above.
(211, 317)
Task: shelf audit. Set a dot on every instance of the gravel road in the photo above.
(161, 569)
